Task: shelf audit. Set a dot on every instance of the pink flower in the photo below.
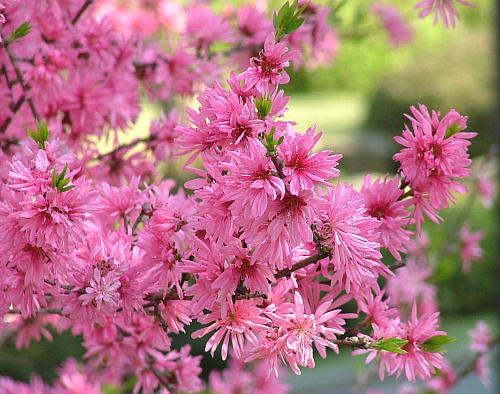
(435, 154)
(486, 190)
(56, 219)
(383, 202)
(2, 16)
(253, 25)
(73, 378)
(305, 169)
(34, 179)
(119, 204)
(399, 31)
(443, 9)
(482, 369)
(233, 325)
(295, 329)
(165, 134)
(416, 362)
(480, 338)
(251, 183)
(470, 250)
(410, 284)
(102, 290)
(238, 267)
(377, 310)
(445, 381)
(345, 226)
(268, 70)
(206, 27)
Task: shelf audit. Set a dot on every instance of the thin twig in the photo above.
(81, 11)
(124, 146)
(322, 253)
(354, 342)
(279, 166)
(395, 266)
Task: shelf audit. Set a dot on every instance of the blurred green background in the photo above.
(359, 102)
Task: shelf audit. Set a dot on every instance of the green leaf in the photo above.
(392, 345)
(293, 25)
(60, 182)
(23, 30)
(263, 105)
(435, 343)
(41, 135)
(287, 20)
(453, 129)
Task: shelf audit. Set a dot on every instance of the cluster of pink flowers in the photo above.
(264, 252)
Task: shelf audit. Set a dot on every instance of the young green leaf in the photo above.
(41, 135)
(435, 343)
(60, 182)
(263, 105)
(393, 345)
(23, 30)
(287, 19)
(453, 129)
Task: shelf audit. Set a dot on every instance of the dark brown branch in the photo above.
(395, 266)
(279, 166)
(25, 88)
(125, 146)
(323, 253)
(50, 311)
(250, 296)
(81, 11)
(145, 213)
(65, 287)
(354, 342)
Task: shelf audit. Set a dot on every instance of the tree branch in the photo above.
(322, 253)
(124, 146)
(81, 11)
(354, 342)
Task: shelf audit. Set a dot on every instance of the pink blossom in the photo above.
(416, 362)
(345, 226)
(303, 168)
(486, 189)
(253, 25)
(251, 184)
(470, 250)
(268, 69)
(235, 325)
(56, 219)
(480, 337)
(435, 154)
(482, 369)
(383, 201)
(445, 381)
(205, 27)
(443, 9)
(399, 31)
(164, 133)
(411, 283)
(102, 290)
(74, 379)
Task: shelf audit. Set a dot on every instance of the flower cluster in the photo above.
(267, 251)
